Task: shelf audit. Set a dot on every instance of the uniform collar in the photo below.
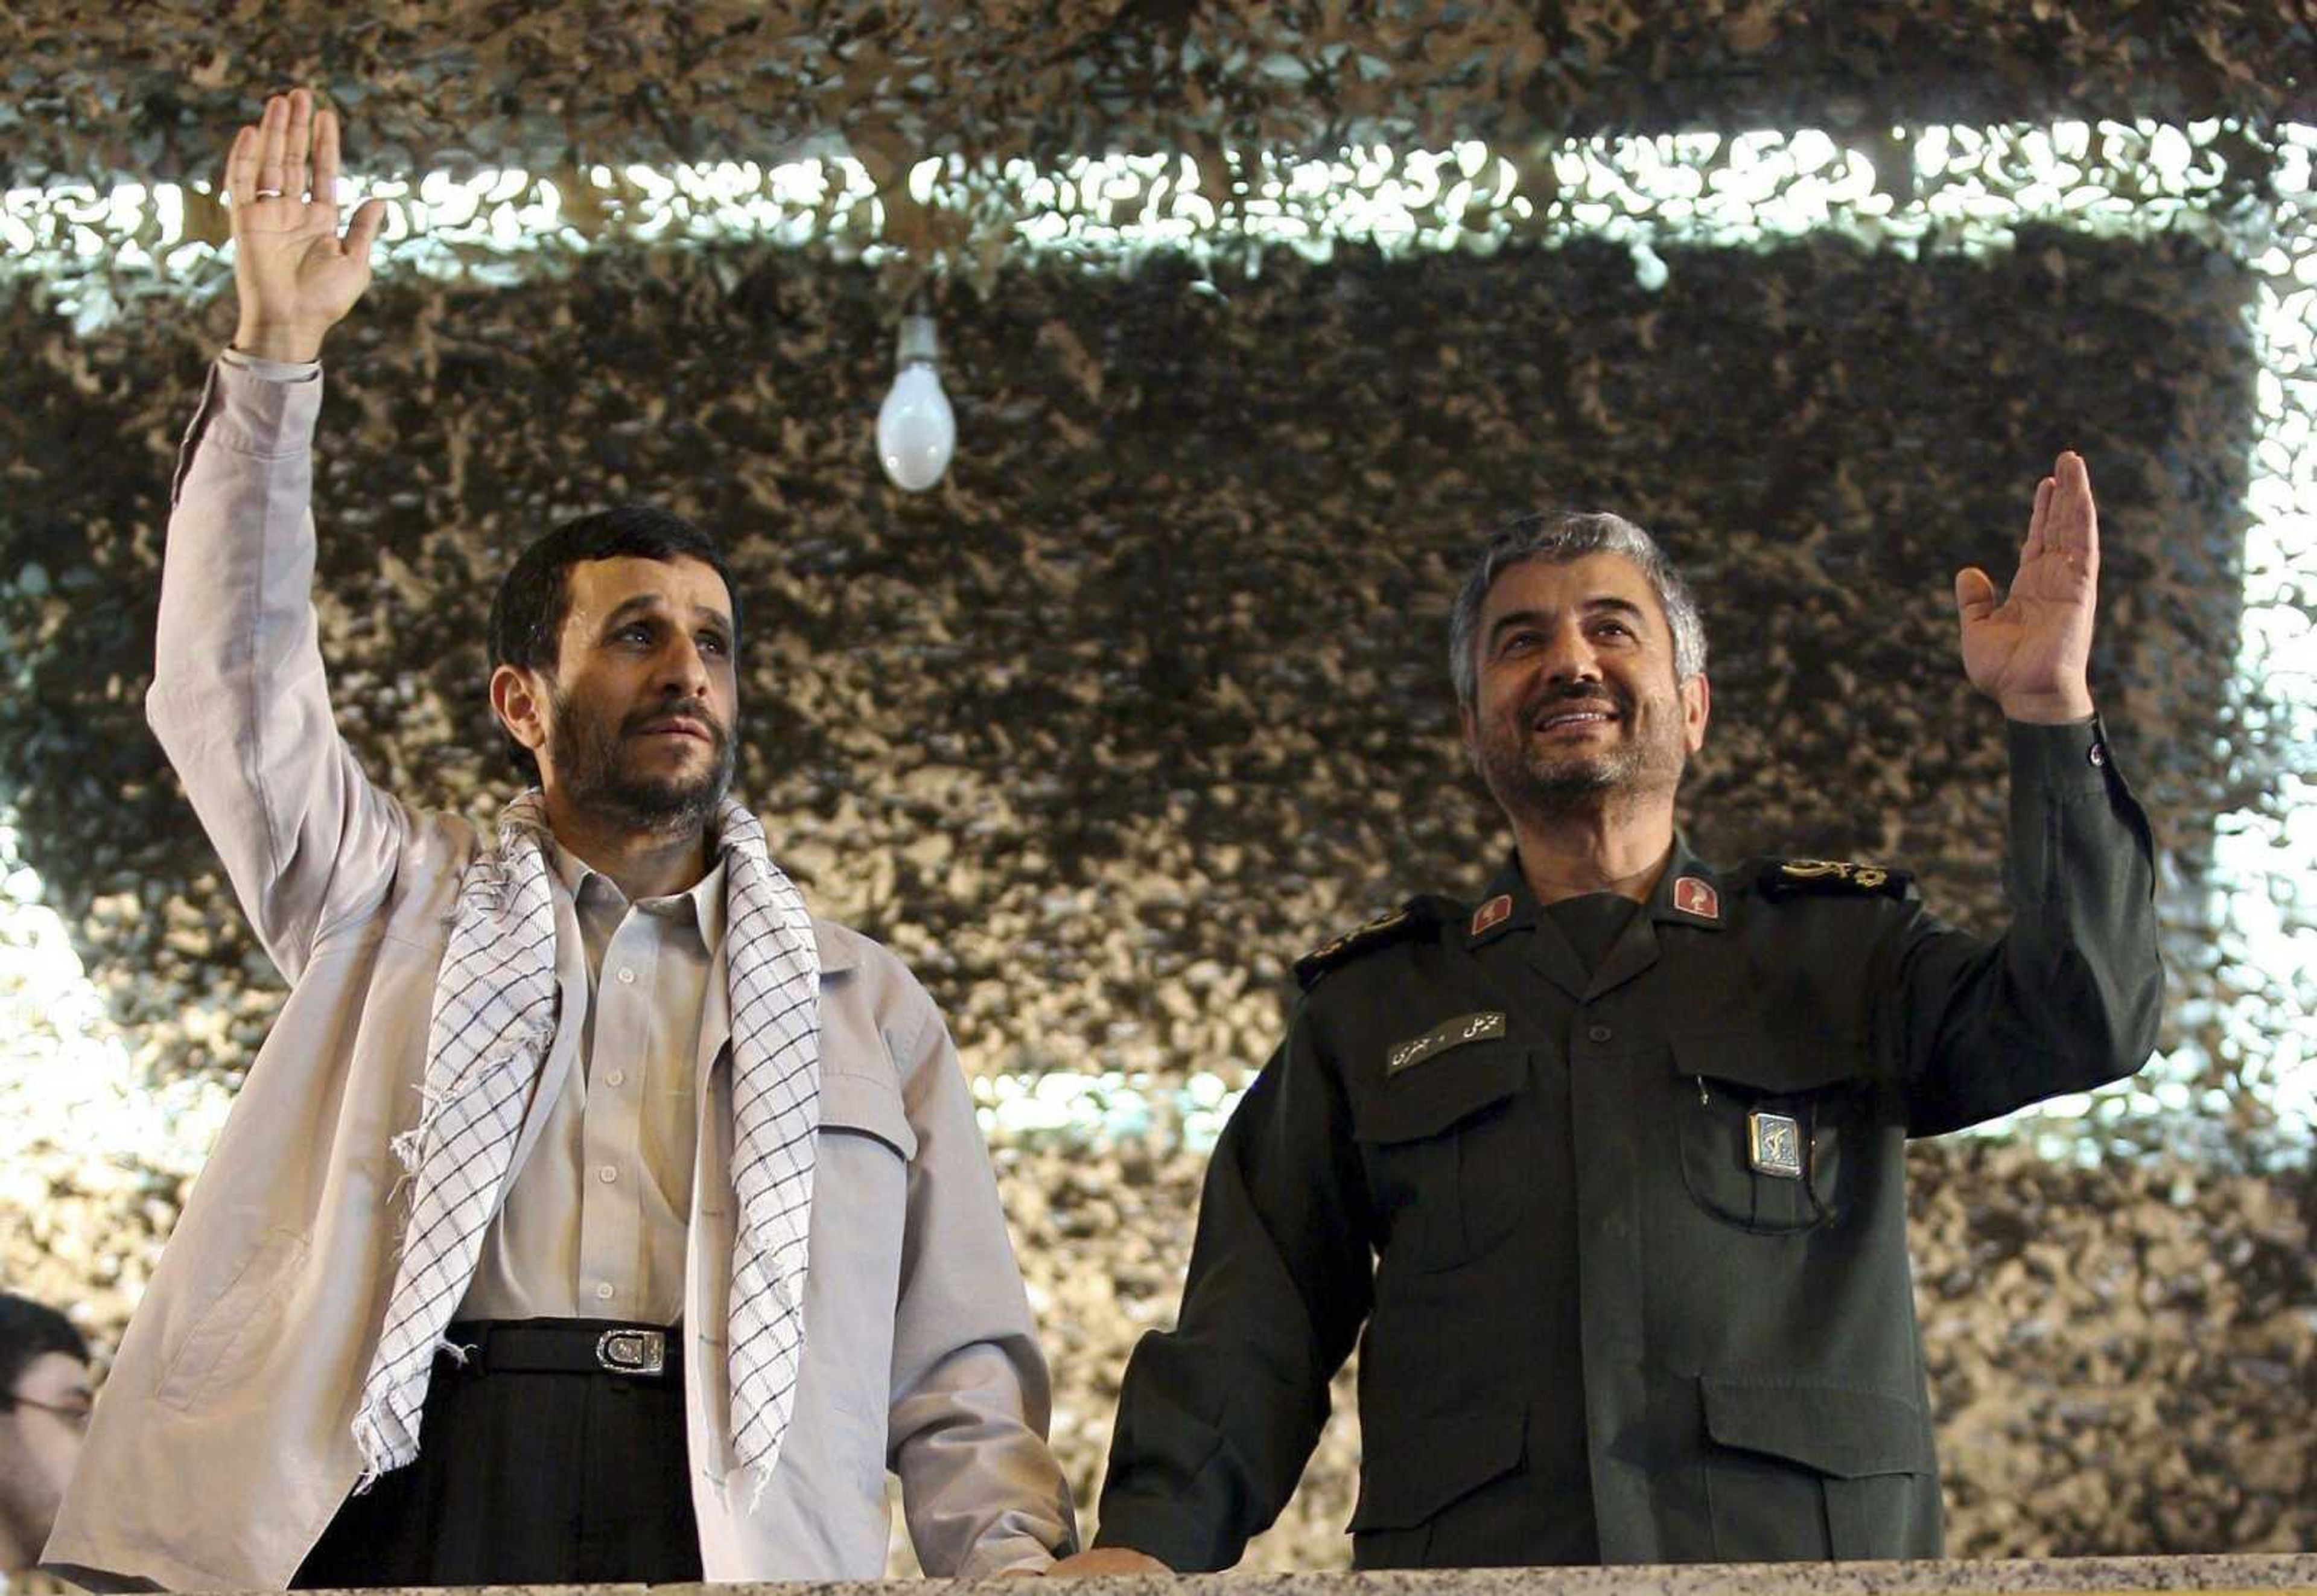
(1689, 892)
(1511, 907)
(1508, 905)
(1505, 907)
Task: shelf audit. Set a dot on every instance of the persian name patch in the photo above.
(1469, 1027)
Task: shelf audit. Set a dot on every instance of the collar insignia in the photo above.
(1494, 912)
(1693, 895)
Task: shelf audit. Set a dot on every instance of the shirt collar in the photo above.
(705, 897)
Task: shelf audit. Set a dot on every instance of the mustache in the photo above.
(687, 710)
(1561, 695)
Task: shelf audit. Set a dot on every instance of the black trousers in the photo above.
(526, 1477)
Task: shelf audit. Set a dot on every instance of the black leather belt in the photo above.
(568, 1347)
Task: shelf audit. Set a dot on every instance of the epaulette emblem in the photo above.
(1791, 878)
(1383, 928)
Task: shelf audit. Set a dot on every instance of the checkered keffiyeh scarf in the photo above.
(495, 1017)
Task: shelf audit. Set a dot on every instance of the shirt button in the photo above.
(1599, 1032)
(626, 976)
(616, 1078)
(607, 1174)
(603, 1291)
(2098, 755)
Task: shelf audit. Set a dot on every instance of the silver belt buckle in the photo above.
(632, 1352)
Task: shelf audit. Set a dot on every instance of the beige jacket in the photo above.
(221, 1445)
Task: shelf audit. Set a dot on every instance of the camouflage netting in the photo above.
(135, 92)
(1149, 695)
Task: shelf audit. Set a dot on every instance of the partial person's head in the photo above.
(1579, 664)
(613, 674)
(44, 1402)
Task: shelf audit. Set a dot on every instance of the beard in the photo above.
(1526, 778)
(589, 752)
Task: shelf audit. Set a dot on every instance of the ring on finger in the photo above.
(267, 194)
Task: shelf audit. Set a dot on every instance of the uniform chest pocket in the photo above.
(1770, 1128)
(1442, 1143)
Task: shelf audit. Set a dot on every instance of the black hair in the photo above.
(29, 1330)
(534, 598)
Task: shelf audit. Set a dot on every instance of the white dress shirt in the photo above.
(594, 1223)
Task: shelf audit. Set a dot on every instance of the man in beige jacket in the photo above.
(592, 1212)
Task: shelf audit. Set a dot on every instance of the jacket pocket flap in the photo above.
(1765, 1063)
(1835, 1430)
(238, 1323)
(866, 1106)
(1405, 1479)
(1437, 1093)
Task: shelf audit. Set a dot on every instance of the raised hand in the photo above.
(296, 275)
(2030, 652)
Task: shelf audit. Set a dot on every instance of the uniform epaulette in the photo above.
(1795, 878)
(1418, 916)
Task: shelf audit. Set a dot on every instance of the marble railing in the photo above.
(2077, 1577)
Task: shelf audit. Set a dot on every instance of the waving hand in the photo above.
(2030, 653)
(297, 277)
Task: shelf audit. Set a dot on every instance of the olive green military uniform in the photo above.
(1629, 1245)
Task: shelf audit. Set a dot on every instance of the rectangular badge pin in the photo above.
(1693, 896)
(1775, 1144)
(1467, 1027)
(1493, 913)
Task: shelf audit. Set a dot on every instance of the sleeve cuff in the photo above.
(250, 413)
(1155, 1530)
(1005, 1557)
(271, 371)
(2071, 757)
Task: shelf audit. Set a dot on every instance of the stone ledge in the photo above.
(2077, 1576)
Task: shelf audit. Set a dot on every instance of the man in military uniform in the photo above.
(1610, 1165)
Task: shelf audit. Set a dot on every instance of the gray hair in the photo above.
(1560, 539)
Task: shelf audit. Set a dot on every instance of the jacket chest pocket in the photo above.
(860, 1209)
(1443, 1147)
(1771, 1130)
(861, 1186)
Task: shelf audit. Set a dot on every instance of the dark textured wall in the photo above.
(133, 93)
(1184, 593)
(1150, 694)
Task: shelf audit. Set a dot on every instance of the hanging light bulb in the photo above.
(916, 430)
